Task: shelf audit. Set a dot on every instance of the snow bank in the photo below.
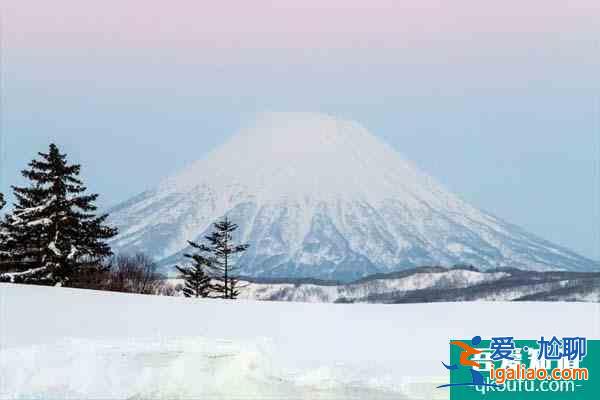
(192, 368)
(58, 343)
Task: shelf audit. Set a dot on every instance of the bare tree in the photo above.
(135, 274)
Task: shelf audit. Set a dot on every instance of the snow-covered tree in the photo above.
(3, 240)
(53, 229)
(197, 282)
(222, 254)
(20, 239)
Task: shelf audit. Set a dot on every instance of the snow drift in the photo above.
(58, 343)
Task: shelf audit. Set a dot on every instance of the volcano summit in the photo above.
(317, 196)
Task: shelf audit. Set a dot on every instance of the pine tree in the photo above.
(3, 241)
(222, 252)
(21, 237)
(197, 282)
(53, 230)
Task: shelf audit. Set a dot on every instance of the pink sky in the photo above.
(506, 89)
(288, 24)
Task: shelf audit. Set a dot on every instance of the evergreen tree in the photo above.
(21, 237)
(3, 241)
(53, 230)
(222, 253)
(197, 282)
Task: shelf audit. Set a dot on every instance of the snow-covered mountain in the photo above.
(363, 290)
(318, 196)
(432, 284)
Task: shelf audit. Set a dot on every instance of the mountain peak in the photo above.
(302, 154)
(319, 196)
(298, 134)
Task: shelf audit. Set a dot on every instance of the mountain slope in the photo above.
(433, 284)
(317, 196)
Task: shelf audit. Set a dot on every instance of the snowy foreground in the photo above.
(64, 343)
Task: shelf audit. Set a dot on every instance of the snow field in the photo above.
(58, 343)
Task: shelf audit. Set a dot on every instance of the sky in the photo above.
(500, 101)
